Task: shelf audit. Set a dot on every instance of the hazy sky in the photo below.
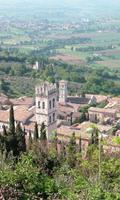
(57, 2)
(109, 6)
(54, 3)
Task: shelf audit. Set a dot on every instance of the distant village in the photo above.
(65, 114)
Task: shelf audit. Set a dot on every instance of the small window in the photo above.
(38, 104)
(53, 117)
(43, 105)
(53, 103)
(50, 119)
(49, 104)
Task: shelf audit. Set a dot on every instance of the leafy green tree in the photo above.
(82, 117)
(43, 137)
(55, 141)
(21, 141)
(4, 131)
(62, 151)
(36, 134)
(80, 145)
(2, 144)
(30, 141)
(43, 132)
(94, 131)
(72, 151)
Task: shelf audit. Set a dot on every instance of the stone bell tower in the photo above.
(63, 93)
(46, 106)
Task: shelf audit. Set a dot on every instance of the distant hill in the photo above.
(65, 9)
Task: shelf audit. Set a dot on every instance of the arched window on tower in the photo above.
(43, 105)
(49, 104)
(38, 104)
(53, 117)
(50, 119)
(53, 103)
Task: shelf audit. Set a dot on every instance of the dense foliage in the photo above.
(17, 76)
(55, 170)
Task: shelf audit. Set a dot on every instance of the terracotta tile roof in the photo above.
(77, 100)
(29, 101)
(99, 98)
(4, 100)
(33, 119)
(81, 129)
(76, 107)
(30, 126)
(102, 110)
(4, 116)
(21, 114)
(65, 108)
(76, 115)
(114, 100)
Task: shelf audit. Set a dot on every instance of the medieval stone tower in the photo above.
(46, 106)
(63, 92)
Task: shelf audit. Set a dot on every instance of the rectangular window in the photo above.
(38, 104)
(43, 105)
(53, 117)
(53, 103)
(49, 104)
(50, 119)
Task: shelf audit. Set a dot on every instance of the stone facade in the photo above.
(46, 106)
(63, 93)
(100, 114)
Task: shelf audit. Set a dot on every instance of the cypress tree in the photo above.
(21, 141)
(72, 144)
(2, 144)
(72, 151)
(11, 121)
(91, 139)
(62, 151)
(11, 140)
(96, 136)
(4, 131)
(3, 139)
(30, 141)
(54, 144)
(43, 132)
(80, 144)
(55, 140)
(36, 135)
(43, 138)
(82, 117)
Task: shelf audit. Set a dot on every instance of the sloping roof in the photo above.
(21, 114)
(99, 98)
(102, 110)
(29, 101)
(30, 126)
(66, 108)
(4, 100)
(114, 100)
(77, 100)
(4, 116)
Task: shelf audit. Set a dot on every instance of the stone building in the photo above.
(63, 92)
(46, 106)
(100, 114)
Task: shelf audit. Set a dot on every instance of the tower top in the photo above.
(63, 82)
(63, 93)
(45, 89)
